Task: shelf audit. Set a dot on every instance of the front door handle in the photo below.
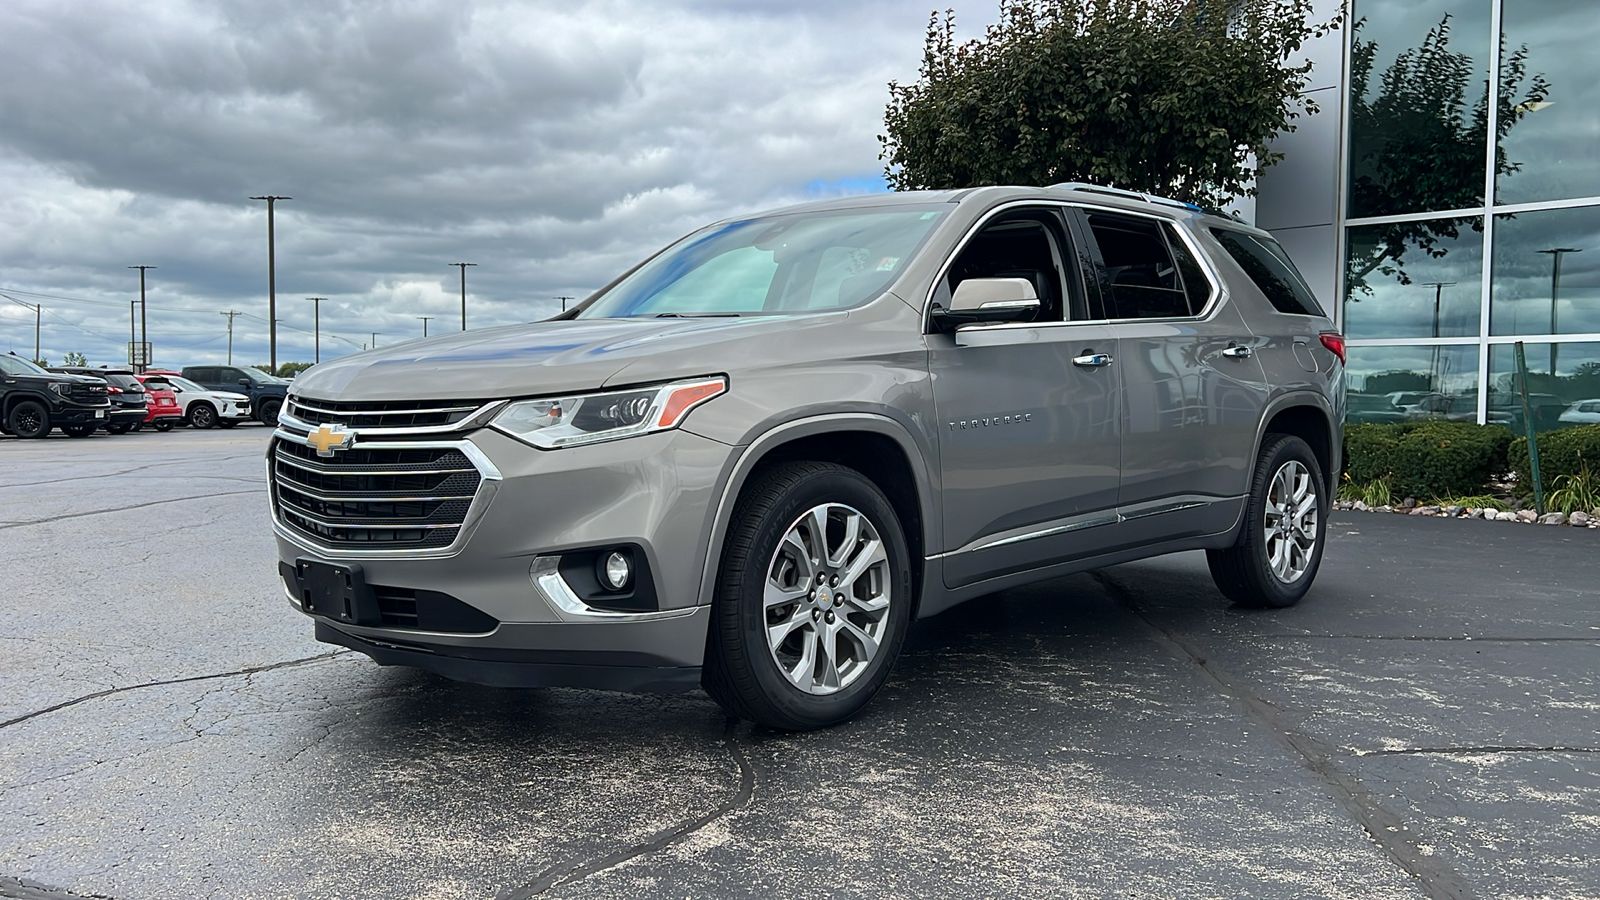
(1235, 351)
(1092, 360)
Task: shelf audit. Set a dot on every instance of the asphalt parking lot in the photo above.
(1423, 724)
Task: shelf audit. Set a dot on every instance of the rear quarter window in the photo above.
(1270, 270)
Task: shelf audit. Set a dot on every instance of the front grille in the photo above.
(94, 394)
(382, 414)
(380, 499)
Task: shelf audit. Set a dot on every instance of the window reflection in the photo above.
(1399, 384)
(1546, 276)
(1414, 279)
(1555, 140)
(1569, 397)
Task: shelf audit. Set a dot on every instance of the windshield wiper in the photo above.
(698, 315)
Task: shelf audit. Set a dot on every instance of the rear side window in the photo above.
(1269, 267)
(1141, 278)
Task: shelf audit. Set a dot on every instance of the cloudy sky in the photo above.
(551, 143)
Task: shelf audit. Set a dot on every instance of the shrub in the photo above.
(1426, 459)
(1563, 452)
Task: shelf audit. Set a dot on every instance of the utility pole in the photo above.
(133, 328)
(375, 339)
(424, 324)
(1555, 296)
(463, 267)
(38, 313)
(230, 314)
(564, 301)
(272, 281)
(144, 323)
(1438, 291)
(316, 318)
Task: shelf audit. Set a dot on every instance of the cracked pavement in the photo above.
(1424, 724)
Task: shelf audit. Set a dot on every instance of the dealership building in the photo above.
(1442, 228)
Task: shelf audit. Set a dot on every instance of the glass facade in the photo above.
(1441, 274)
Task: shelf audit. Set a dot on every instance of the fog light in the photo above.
(616, 571)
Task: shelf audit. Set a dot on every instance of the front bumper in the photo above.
(234, 410)
(656, 492)
(65, 414)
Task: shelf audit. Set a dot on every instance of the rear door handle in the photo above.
(1237, 352)
(1092, 360)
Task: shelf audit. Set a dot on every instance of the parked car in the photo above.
(34, 400)
(1405, 400)
(753, 460)
(1584, 412)
(1371, 409)
(265, 392)
(1545, 408)
(161, 402)
(128, 402)
(203, 408)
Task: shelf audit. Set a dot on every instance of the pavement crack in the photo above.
(252, 670)
(100, 512)
(1472, 751)
(14, 889)
(1390, 832)
(572, 872)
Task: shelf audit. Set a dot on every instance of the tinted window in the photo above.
(1269, 267)
(16, 365)
(157, 384)
(1195, 283)
(1017, 245)
(1139, 277)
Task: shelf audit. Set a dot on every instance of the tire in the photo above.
(202, 415)
(119, 428)
(28, 419)
(79, 431)
(162, 424)
(743, 671)
(137, 426)
(1277, 555)
(227, 423)
(268, 414)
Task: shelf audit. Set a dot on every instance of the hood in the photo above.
(59, 377)
(540, 358)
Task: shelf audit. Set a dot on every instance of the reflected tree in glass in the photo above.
(1417, 144)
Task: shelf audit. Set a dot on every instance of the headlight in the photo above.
(556, 422)
(60, 388)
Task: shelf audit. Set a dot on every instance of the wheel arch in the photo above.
(877, 446)
(13, 398)
(1308, 416)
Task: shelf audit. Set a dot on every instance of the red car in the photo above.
(161, 403)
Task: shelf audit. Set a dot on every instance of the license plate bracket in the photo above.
(338, 591)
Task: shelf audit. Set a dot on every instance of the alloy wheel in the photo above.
(1291, 521)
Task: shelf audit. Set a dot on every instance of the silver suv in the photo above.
(751, 461)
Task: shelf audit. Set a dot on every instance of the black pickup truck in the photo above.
(33, 401)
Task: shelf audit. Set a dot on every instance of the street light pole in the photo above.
(272, 281)
(463, 268)
(230, 314)
(1438, 290)
(1555, 296)
(316, 320)
(425, 324)
(144, 323)
(375, 339)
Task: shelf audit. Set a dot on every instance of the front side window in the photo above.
(774, 265)
(1139, 277)
(1024, 244)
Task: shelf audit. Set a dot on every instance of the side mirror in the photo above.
(986, 301)
(245, 382)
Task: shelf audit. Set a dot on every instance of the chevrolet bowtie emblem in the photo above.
(328, 438)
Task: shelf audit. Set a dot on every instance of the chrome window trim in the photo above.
(1218, 289)
(477, 419)
(488, 486)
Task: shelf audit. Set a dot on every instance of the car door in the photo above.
(1028, 424)
(1192, 391)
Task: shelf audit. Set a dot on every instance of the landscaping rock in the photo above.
(1527, 515)
(1360, 506)
(1505, 515)
(1454, 511)
(1408, 503)
(1384, 508)
(1425, 511)
(1554, 518)
(1580, 519)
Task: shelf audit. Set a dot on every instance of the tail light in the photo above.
(113, 389)
(1334, 341)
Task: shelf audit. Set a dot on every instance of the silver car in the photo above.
(753, 460)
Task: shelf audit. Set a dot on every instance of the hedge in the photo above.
(1427, 459)
(1561, 452)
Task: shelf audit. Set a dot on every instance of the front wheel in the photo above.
(269, 412)
(201, 415)
(813, 599)
(28, 419)
(1279, 549)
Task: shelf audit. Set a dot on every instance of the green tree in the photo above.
(291, 369)
(1175, 97)
(74, 359)
(1416, 144)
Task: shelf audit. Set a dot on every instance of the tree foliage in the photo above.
(1174, 97)
(74, 358)
(1416, 144)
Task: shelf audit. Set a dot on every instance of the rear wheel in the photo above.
(202, 415)
(79, 431)
(1279, 549)
(28, 419)
(813, 599)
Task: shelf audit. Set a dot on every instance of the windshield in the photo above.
(16, 365)
(185, 384)
(773, 265)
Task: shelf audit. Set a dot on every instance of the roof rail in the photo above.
(1121, 192)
